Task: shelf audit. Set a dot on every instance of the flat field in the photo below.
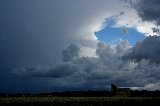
(77, 101)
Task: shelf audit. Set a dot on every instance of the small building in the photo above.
(119, 91)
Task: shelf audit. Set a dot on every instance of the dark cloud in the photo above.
(71, 52)
(120, 64)
(147, 49)
(83, 71)
(61, 70)
(148, 10)
(34, 35)
(155, 30)
(121, 13)
(14, 83)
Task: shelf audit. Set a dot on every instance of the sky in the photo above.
(112, 35)
(59, 45)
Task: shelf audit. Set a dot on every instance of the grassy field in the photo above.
(77, 101)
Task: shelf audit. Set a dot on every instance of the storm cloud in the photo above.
(148, 49)
(46, 45)
(34, 33)
(121, 64)
(148, 10)
(71, 52)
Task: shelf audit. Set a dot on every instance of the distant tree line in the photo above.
(89, 93)
(144, 93)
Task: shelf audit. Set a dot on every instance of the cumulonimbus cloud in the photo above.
(120, 64)
(148, 10)
(148, 49)
(39, 35)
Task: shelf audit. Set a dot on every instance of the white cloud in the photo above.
(130, 19)
(86, 51)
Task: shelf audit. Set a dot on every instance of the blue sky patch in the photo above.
(112, 35)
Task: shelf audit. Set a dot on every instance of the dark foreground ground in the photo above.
(78, 101)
